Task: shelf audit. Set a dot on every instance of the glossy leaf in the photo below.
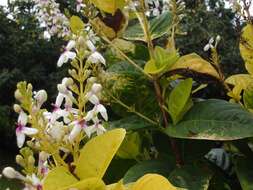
(248, 98)
(246, 44)
(195, 63)
(244, 171)
(87, 184)
(158, 27)
(109, 6)
(97, 154)
(163, 61)
(179, 100)
(214, 120)
(153, 182)
(76, 24)
(191, 177)
(151, 166)
(58, 178)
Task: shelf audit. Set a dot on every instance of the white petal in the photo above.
(94, 99)
(71, 45)
(96, 58)
(63, 59)
(20, 139)
(90, 45)
(211, 40)
(207, 47)
(92, 129)
(71, 55)
(59, 100)
(96, 88)
(87, 131)
(29, 131)
(100, 129)
(75, 131)
(89, 115)
(22, 118)
(102, 111)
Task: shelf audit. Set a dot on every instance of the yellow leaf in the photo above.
(109, 6)
(101, 26)
(58, 178)
(87, 184)
(76, 24)
(97, 154)
(246, 44)
(153, 182)
(116, 186)
(249, 68)
(242, 80)
(195, 63)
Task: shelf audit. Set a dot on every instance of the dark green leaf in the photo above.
(158, 27)
(151, 166)
(244, 170)
(214, 120)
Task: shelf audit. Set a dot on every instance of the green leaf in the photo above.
(244, 170)
(179, 100)
(131, 123)
(163, 60)
(151, 166)
(131, 146)
(76, 24)
(58, 178)
(214, 120)
(248, 98)
(246, 44)
(109, 6)
(194, 63)
(191, 177)
(97, 154)
(159, 26)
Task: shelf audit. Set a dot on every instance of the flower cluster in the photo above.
(50, 17)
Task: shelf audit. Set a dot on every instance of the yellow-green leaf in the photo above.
(87, 184)
(58, 178)
(97, 154)
(76, 24)
(242, 80)
(195, 63)
(246, 44)
(130, 148)
(109, 6)
(116, 186)
(153, 182)
(163, 60)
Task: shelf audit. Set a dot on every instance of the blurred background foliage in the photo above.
(26, 55)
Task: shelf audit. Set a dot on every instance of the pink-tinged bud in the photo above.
(41, 96)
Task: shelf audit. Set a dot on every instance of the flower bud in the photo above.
(18, 95)
(17, 108)
(218, 38)
(9, 172)
(62, 88)
(92, 80)
(72, 72)
(41, 96)
(29, 87)
(20, 160)
(67, 81)
(96, 88)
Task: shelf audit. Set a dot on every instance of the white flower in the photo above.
(79, 5)
(56, 131)
(96, 57)
(67, 54)
(43, 165)
(92, 114)
(22, 130)
(98, 128)
(79, 125)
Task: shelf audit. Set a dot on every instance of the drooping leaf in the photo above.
(153, 182)
(97, 154)
(87, 184)
(214, 120)
(109, 6)
(246, 44)
(179, 100)
(194, 63)
(58, 178)
(76, 24)
(158, 27)
(244, 171)
(151, 166)
(130, 147)
(162, 61)
(191, 177)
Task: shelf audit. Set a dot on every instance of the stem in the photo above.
(144, 23)
(131, 109)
